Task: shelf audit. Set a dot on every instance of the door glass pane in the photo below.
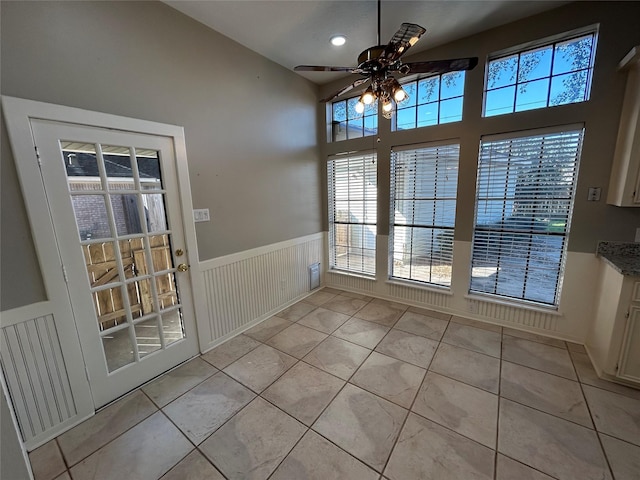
(134, 257)
(149, 169)
(147, 337)
(161, 253)
(130, 311)
(100, 261)
(81, 166)
(141, 297)
(172, 326)
(118, 349)
(91, 216)
(117, 166)
(166, 287)
(155, 212)
(126, 214)
(109, 307)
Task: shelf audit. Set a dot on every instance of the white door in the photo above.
(114, 200)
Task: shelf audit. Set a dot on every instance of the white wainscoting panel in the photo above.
(251, 285)
(36, 376)
(351, 282)
(512, 315)
(571, 321)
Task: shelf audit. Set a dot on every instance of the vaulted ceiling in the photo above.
(294, 32)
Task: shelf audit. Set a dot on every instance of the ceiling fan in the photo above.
(379, 64)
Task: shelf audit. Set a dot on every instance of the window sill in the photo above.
(551, 310)
(420, 286)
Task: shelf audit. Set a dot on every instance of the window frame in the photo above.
(367, 227)
(438, 101)
(371, 111)
(578, 129)
(551, 41)
(450, 147)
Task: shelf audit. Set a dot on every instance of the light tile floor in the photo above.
(343, 386)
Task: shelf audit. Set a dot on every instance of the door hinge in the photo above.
(626, 315)
(38, 156)
(64, 274)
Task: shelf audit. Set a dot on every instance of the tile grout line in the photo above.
(428, 369)
(309, 428)
(195, 447)
(331, 441)
(301, 423)
(368, 356)
(500, 397)
(538, 370)
(601, 387)
(348, 382)
(114, 438)
(184, 393)
(410, 409)
(495, 456)
(595, 427)
(527, 466)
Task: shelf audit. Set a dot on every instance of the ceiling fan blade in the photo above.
(402, 40)
(344, 90)
(438, 67)
(322, 68)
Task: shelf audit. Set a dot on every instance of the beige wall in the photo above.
(592, 221)
(250, 124)
(254, 163)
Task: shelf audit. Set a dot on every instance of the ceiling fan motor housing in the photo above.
(368, 59)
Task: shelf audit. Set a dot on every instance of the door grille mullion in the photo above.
(124, 291)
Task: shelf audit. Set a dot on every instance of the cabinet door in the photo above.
(629, 365)
(624, 183)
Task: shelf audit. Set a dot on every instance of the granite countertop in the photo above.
(622, 256)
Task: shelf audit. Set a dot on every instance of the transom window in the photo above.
(347, 123)
(353, 192)
(555, 73)
(432, 101)
(424, 182)
(524, 200)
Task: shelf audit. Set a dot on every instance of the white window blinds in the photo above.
(424, 184)
(524, 201)
(352, 182)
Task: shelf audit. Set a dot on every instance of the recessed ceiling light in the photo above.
(338, 40)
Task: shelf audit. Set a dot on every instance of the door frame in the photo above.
(18, 114)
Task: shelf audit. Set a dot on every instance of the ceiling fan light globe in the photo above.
(359, 107)
(400, 95)
(367, 97)
(387, 106)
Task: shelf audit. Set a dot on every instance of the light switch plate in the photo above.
(201, 215)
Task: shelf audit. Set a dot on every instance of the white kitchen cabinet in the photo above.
(629, 366)
(624, 185)
(614, 340)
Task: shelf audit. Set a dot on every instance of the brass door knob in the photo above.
(183, 267)
(179, 252)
